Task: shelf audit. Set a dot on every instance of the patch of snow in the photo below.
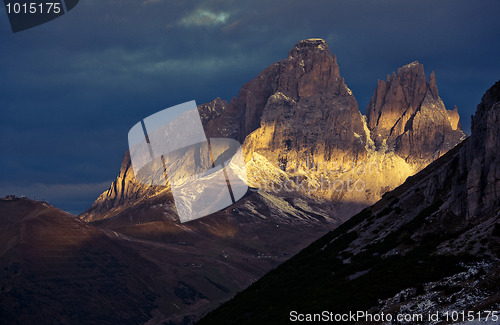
(358, 274)
(370, 145)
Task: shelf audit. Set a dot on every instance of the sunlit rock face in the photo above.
(310, 115)
(407, 115)
(299, 117)
(302, 132)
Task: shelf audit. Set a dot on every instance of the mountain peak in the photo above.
(487, 105)
(412, 65)
(308, 45)
(433, 86)
(406, 114)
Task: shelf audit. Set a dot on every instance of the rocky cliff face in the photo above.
(429, 246)
(309, 114)
(214, 124)
(303, 134)
(407, 115)
(482, 159)
(310, 127)
(124, 193)
(305, 87)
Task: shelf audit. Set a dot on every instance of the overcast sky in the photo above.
(73, 87)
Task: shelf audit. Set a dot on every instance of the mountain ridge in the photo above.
(298, 114)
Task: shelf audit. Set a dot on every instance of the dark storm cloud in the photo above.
(72, 88)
